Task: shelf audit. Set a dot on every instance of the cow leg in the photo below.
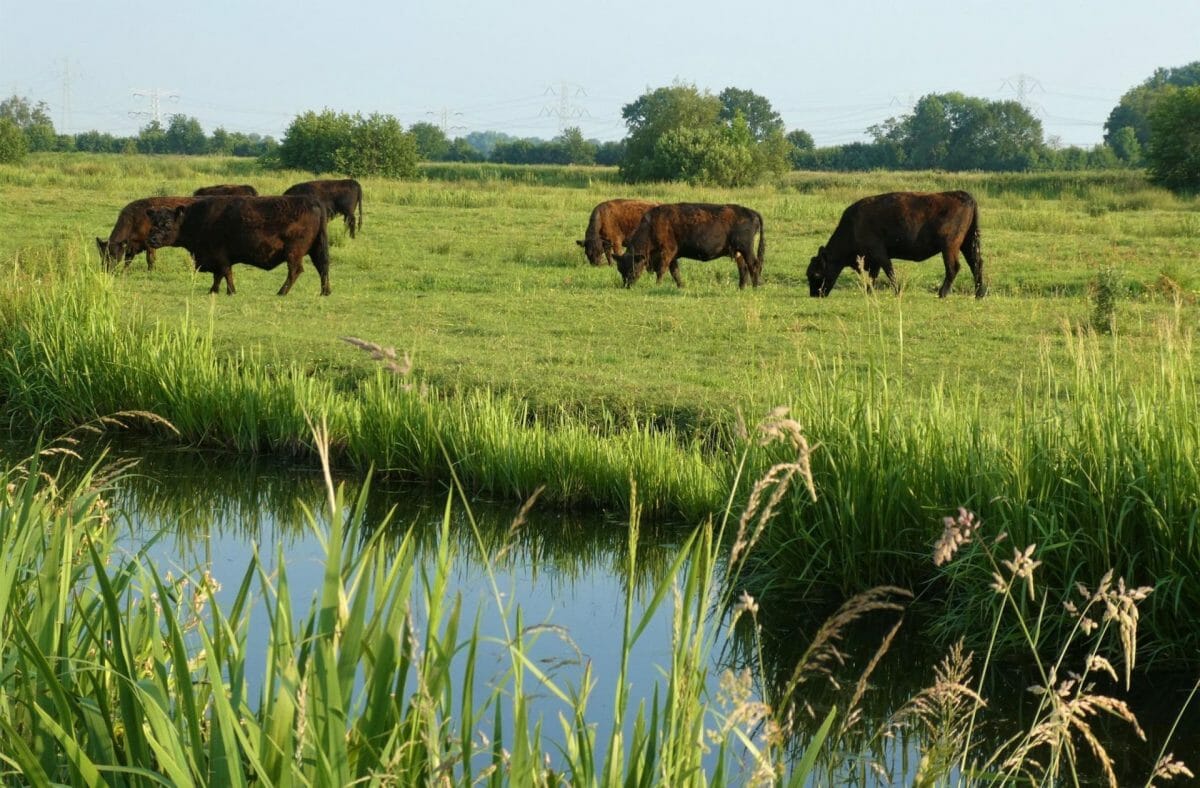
(228, 273)
(608, 253)
(743, 274)
(320, 260)
(950, 258)
(349, 225)
(976, 264)
(885, 264)
(294, 269)
(149, 258)
(674, 268)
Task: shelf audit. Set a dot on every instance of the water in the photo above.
(210, 510)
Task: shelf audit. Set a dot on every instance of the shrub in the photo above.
(12, 142)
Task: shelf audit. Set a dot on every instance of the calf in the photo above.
(131, 233)
(340, 197)
(260, 231)
(903, 225)
(611, 223)
(698, 231)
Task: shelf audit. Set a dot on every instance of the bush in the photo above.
(329, 141)
(12, 142)
(378, 146)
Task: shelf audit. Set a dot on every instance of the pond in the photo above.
(207, 511)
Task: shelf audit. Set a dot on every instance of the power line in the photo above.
(156, 96)
(445, 114)
(565, 110)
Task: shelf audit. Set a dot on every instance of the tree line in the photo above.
(679, 132)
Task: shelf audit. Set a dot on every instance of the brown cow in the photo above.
(903, 225)
(226, 189)
(611, 223)
(697, 231)
(129, 236)
(260, 231)
(338, 196)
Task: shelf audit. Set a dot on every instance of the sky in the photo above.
(531, 68)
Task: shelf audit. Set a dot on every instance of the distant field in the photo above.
(475, 272)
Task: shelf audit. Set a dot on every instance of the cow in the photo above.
(130, 235)
(260, 231)
(906, 226)
(226, 189)
(338, 196)
(698, 231)
(611, 223)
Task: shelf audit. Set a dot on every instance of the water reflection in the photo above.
(208, 510)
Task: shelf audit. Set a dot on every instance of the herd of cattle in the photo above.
(227, 224)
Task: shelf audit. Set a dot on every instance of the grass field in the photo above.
(546, 371)
(481, 281)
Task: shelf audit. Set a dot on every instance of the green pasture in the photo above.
(474, 271)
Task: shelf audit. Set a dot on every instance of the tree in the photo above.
(432, 143)
(801, 139)
(12, 142)
(184, 135)
(1124, 144)
(652, 116)
(378, 145)
(956, 132)
(1173, 155)
(1133, 110)
(760, 116)
(610, 153)
(461, 150)
(152, 138)
(312, 140)
(576, 149)
(32, 120)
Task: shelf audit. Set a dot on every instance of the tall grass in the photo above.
(111, 672)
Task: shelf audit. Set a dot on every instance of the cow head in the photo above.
(593, 248)
(821, 274)
(630, 264)
(164, 225)
(113, 251)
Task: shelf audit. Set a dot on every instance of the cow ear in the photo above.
(100, 244)
(179, 211)
(820, 251)
(580, 243)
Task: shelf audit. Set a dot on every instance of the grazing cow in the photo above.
(611, 223)
(697, 231)
(260, 231)
(903, 225)
(130, 235)
(227, 190)
(339, 197)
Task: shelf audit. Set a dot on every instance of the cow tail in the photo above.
(975, 247)
(762, 239)
(360, 202)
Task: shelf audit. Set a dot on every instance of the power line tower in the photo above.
(156, 96)
(65, 120)
(1024, 85)
(565, 110)
(443, 117)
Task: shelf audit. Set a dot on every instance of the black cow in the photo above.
(697, 231)
(260, 231)
(611, 222)
(226, 189)
(906, 226)
(130, 235)
(340, 197)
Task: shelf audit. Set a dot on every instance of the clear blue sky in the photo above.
(832, 69)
